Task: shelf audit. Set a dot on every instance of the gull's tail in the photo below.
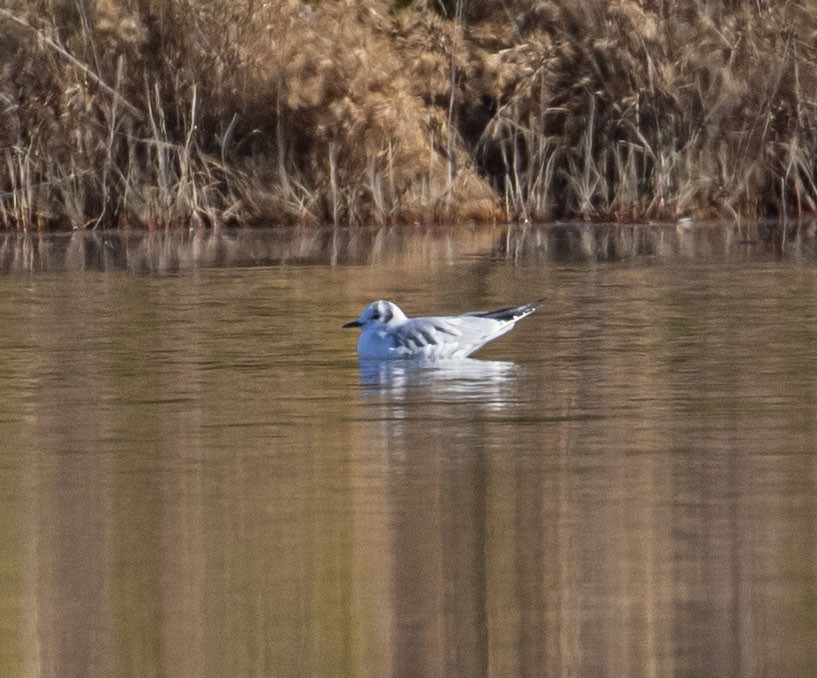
(513, 313)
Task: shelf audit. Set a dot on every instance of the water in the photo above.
(197, 478)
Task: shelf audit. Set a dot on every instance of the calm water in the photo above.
(196, 479)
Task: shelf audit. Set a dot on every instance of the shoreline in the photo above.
(391, 113)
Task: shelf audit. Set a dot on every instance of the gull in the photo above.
(387, 333)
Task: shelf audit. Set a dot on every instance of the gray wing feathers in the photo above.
(456, 336)
(420, 332)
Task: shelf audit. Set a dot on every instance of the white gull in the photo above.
(387, 333)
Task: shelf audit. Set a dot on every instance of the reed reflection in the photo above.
(171, 251)
(197, 482)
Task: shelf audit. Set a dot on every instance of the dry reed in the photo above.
(202, 114)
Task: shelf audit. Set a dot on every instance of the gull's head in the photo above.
(379, 313)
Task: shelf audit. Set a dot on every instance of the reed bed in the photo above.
(206, 114)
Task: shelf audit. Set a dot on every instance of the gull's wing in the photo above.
(419, 333)
(453, 337)
(447, 337)
(512, 313)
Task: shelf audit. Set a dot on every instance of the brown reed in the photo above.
(179, 113)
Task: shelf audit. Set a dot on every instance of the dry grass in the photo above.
(220, 112)
(660, 110)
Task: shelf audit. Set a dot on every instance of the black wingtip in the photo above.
(512, 312)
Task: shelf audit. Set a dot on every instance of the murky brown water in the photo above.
(197, 479)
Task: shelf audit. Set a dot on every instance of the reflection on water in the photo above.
(198, 478)
(180, 250)
(460, 379)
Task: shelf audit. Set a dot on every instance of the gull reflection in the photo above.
(483, 381)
